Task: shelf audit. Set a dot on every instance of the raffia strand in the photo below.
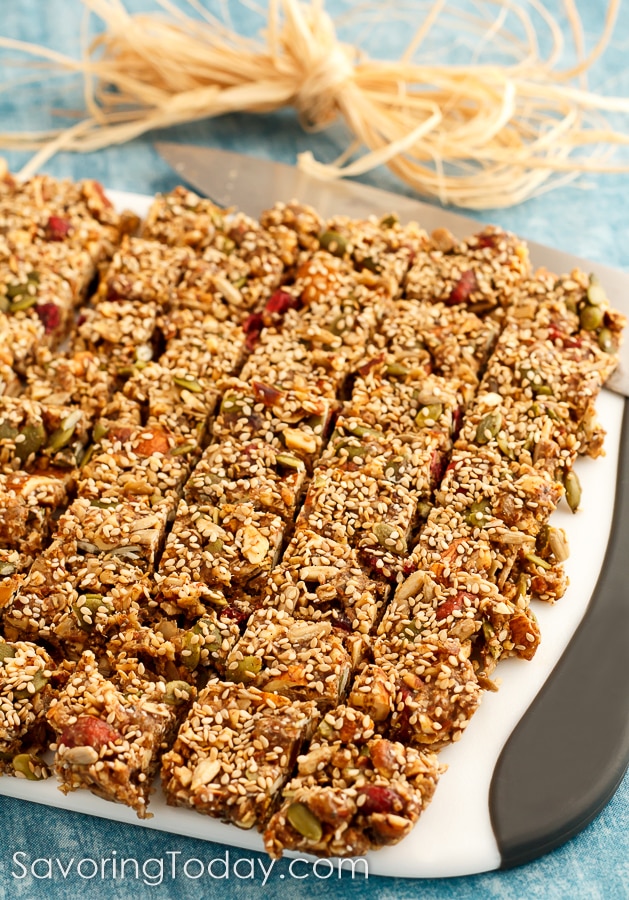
(474, 135)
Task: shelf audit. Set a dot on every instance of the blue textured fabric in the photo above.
(594, 223)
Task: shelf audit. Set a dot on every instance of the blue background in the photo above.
(590, 219)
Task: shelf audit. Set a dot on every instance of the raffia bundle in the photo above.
(478, 136)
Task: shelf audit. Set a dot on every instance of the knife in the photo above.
(233, 179)
(564, 759)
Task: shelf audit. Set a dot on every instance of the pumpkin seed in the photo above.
(383, 532)
(389, 221)
(488, 427)
(350, 450)
(290, 462)
(361, 430)
(326, 730)
(478, 514)
(304, 822)
(89, 453)
(591, 317)
(34, 440)
(397, 370)
(503, 446)
(183, 449)
(573, 490)
(188, 384)
(27, 765)
(93, 603)
(63, 435)
(37, 682)
(606, 340)
(25, 301)
(537, 561)
(339, 326)
(410, 631)
(7, 432)
(6, 652)
(99, 431)
(191, 644)
(523, 585)
(214, 547)
(212, 638)
(595, 293)
(174, 689)
(489, 633)
(333, 242)
(245, 669)
(371, 265)
(18, 290)
(430, 413)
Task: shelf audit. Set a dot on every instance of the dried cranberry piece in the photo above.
(567, 340)
(57, 229)
(252, 327)
(379, 799)
(235, 613)
(453, 603)
(280, 302)
(89, 731)
(489, 239)
(50, 316)
(437, 466)
(457, 420)
(463, 289)
(266, 393)
(341, 620)
(370, 364)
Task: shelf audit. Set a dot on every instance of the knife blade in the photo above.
(233, 179)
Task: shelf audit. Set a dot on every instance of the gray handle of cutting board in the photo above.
(570, 750)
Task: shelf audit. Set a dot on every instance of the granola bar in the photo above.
(25, 692)
(414, 461)
(299, 659)
(43, 210)
(481, 273)
(235, 751)
(232, 547)
(149, 464)
(78, 379)
(354, 791)
(38, 437)
(411, 406)
(468, 608)
(432, 688)
(144, 271)
(111, 733)
(254, 472)
(189, 654)
(74, 601)
(289, 420)
(320, 579)
(30, 504)
(120, 332)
